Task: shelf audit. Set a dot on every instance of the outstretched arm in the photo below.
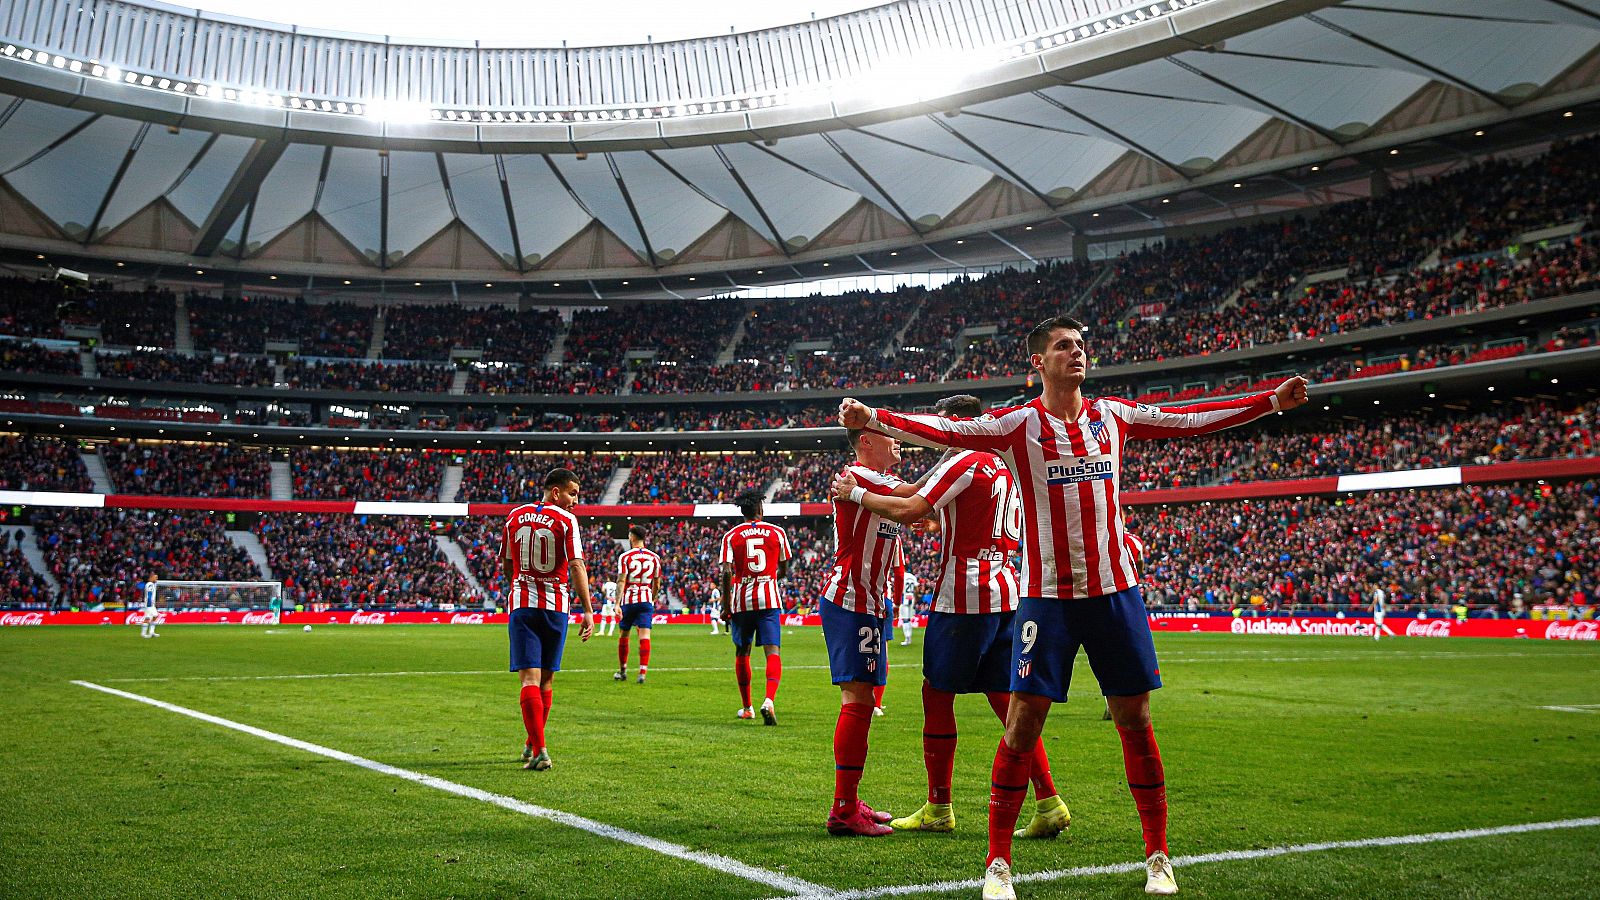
(901, 509)
(1151, 422)
(990, 434)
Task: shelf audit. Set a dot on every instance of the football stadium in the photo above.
(1002, 448)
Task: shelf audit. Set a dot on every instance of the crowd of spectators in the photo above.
(246, 324)
(188, 470)
(103, 556)
(699, 477)
(30, 307)
(29, 463)
(361, 562)
(502, 476)
(20, 586)
(19, 356)
(1504, 548)
(328, 473)
(571, 378)
(504, 335)
(331, 375)
(689, 331)
(146, 318)
(162, 365)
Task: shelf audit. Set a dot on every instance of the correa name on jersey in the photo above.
(538, 568)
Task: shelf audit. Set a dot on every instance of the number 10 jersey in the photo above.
(540, 541)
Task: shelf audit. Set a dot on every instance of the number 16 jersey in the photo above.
(541, 541)
(980, 527)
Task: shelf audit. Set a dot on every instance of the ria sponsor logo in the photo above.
(1078, 471)
(1573, 631)
(466, 619)
(27, 618)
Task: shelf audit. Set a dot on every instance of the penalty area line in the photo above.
(311, 675)
(1435, 837)
(713, 861)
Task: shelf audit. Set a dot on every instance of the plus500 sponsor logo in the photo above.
(1302, 626)
(1074, 473)
(1573, 631)
(29, 618)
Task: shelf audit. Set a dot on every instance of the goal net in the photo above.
(219, 596)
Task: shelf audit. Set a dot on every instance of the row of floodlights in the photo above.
(1101, 26)
(422, 112)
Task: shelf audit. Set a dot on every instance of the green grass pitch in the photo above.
(1267, 741)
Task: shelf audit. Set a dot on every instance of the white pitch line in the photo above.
(1434, 837)
(1579, 708)
(712, 861)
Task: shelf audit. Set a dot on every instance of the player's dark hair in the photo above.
(636, 532)
(1039, 337)
(560, 478)
(852, 437)
(960, 406)
(750, 503)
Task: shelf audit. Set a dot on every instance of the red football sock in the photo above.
(644, 654)
(741, 669)
(533, 715)
(1043, 785)
(549, 697)
(1147, 781)
(938, 741)
(774, 675)
(877, 695)
(1008, 787)
(622, 651)
(849, 752)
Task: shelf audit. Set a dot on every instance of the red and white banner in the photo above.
(1321, 626)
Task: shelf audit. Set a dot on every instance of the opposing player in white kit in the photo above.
(908, 609)
(608, 608)
(147, 622)
(714, 607)
(1379, 599)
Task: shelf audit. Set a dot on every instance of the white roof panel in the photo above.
(480, 203)
(703, 169)
(198, 192)
(927, 186)
(674, 214)
(155, 169)
(1333, 97)
(1181, 132)
(547, 216)
(286, 194)
(596, 187)
(352, 198)
(1049, 160)
(776, 183)
(69, 182)
(418, 207)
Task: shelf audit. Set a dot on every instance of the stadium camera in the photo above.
(71, 276)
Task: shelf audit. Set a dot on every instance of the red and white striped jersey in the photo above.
(869, 565)
(639, 568)
(541, 540)
(1069, 475)
(752, 552)
(980, 521)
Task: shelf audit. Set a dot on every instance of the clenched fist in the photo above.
(1292, 393)
(853, 413)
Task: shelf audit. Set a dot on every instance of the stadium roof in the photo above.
(898, 129)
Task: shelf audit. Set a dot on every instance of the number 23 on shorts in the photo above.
(871, 640)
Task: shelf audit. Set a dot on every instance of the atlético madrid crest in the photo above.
(1098, 430)
(1024, 668)
(872, 665)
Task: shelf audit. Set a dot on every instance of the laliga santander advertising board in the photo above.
(1580, 630)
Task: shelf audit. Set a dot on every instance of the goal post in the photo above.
(213, 596)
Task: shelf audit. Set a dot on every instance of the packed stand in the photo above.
(1499, 549)
(405, 378)
(188, 470)
(104, 556)
(20, 586)
(16, 356)
(145, 318)
(328, 473)
(30, 307)
(499, 476)
(245, 325)
(859, 323)
(360, 562)
(690, 331)
(431, 332)
(1014, 300)
(572, 378)
(699, 477)
(29, 463)
(244, 371)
